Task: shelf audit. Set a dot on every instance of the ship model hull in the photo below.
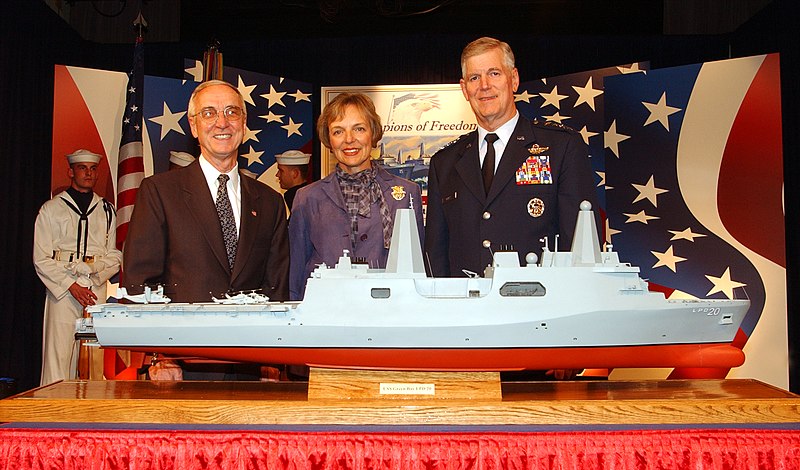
(577, 309)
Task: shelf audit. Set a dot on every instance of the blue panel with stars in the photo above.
(279, 114)
(575, 100)
(677, 244)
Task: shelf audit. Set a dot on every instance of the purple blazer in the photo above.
(319, 228)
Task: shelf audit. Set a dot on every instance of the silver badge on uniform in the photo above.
(535, 207)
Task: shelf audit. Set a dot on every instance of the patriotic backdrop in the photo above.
(692, 169)
(88, 113)
(279, 117)
(695, 191)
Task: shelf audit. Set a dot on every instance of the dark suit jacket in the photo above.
(461, 217)
(175, 239)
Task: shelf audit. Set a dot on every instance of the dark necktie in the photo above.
(226, 220)
(488, 162)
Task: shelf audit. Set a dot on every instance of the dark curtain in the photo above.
(34, 39)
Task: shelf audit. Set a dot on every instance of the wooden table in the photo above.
(517, 403)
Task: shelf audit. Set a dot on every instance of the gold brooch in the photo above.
(398, 193)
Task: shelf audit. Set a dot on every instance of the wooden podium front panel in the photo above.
(700, 402)
(343, 384)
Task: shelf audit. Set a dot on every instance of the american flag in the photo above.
(575, 100)
(130, 166)
(694, 183)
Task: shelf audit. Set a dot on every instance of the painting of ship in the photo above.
(581, 308)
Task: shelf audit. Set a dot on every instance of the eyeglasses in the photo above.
(231, 113)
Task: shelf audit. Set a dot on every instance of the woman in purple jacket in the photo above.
(353, 208)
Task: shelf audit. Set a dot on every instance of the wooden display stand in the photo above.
(343, 397)
(340, 384)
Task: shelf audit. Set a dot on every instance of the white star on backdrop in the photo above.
(724, 284)
(641, 216)
(168, 121)
(667, 259)
(610, 232)
(602, 175)
(300, 96)
(586, 134)
(552, 98)
(685, 234)
(648, 191)
(274, 97)
(196, 72)
(634, 68)
(587, 94)
(272, 117)
(250, 134)
(292, 128)
(660, 111)
(246, 91)
(612, 138)
(252, 156)
(557, 117)
(524, 96)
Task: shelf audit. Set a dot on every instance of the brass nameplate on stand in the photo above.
(340, 384)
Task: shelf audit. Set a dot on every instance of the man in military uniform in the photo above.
(74, 254)
(510, 183)
(292, 173)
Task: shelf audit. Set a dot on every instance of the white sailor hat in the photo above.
(180, 158)
(249, 173)
(293, 157)
(83, 156)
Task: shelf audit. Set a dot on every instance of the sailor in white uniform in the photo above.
(74, 252)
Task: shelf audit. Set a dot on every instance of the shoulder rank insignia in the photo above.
(552, 125)
(459, 138)
(398, 192)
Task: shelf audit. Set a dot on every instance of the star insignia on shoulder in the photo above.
(461, 137)
(552, 125)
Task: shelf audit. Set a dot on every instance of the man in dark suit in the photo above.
(205, 230)
(524, 185)
(177, 237)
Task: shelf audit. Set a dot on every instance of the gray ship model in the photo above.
(581, 308)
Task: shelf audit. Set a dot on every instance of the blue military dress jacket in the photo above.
(542, 177)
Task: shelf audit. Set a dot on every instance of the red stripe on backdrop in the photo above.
(74, 128)
(750, 191)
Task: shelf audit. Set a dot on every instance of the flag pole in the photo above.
(212, 62)
(130, 173)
